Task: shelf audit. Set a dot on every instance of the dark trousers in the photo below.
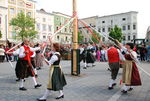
(114, 69)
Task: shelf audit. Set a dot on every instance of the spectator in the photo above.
(2, 53)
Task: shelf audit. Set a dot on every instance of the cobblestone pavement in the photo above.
(91, 85)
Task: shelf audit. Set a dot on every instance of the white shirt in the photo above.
(16, 52)
(22, 54)
(2, 51)
(53, 58)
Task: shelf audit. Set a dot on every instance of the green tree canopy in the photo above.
(96, 37)
(0, 34)
(80, 37)
(116, 33)
(24, 26)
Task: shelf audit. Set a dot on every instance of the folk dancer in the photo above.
(56, 77)
(26, 67)
(131, 76)
(113, 55)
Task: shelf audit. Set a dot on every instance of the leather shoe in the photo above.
(38, 85)
(41, 99)
(23, 89)
(130, 89)
(124, 92)
(60, 97)
(110, 88)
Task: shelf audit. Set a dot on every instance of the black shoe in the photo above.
(38, 85)
(93, 65)
(84, 68)
(60, 97)
(18, 79)
(124, 92)
(36, 75)
(23, 89)
(110, 88)
(114, 84)
(130, 89)
(41, 99)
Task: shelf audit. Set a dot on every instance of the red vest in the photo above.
(28, 55)
(113, 55)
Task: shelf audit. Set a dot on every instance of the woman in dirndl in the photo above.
(56, 80)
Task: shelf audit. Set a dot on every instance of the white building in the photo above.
(44, 24)
(126, 21)
(3, 20)
(148, 36)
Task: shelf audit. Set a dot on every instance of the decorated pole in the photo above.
(75, 51)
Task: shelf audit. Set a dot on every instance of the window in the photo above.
(56, 28)
(44, 19)
(109, 29)
(80, 31)
(103, 39)
(44, 27)
(134, 27)
(99, 29)
(103, 21)
(128, 27)
(129, 38)
(134, 37)
(66, 38)
(49, 27)
(44, 37)
(124, 38)
(65, 29)
(29, 13)
(57, 37)
(38, 26)
(103, 29)
(123, 19)
(12, 11)
(123, 27)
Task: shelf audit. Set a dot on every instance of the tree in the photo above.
(0, 34)
(96, 37)
(24, 26)
(80, 37)
(116, 33)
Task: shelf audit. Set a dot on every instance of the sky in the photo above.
(87, 8)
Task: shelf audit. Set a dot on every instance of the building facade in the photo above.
(3, 23)
(90, 21)
(148, 36)
(126, 21)
(44, 24)
(64, 36)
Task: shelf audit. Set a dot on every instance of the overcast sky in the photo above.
(87, 8)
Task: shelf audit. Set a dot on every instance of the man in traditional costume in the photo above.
(131, 76)
(56, 77)
(113, 55)
(25, 54)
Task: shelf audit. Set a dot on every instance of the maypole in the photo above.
(75, 52)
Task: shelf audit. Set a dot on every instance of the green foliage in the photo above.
(96, 37)
(80, 37)
(0, 34)
(116, 33)
(24, 26)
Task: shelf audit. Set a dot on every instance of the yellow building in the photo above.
(16, 6)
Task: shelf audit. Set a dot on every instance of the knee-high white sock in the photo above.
(111, 82)
(85, 64)
(47, 92)
(61, 93)
(125, 87)
(35, 71)
(34, 80)
(21, 84)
